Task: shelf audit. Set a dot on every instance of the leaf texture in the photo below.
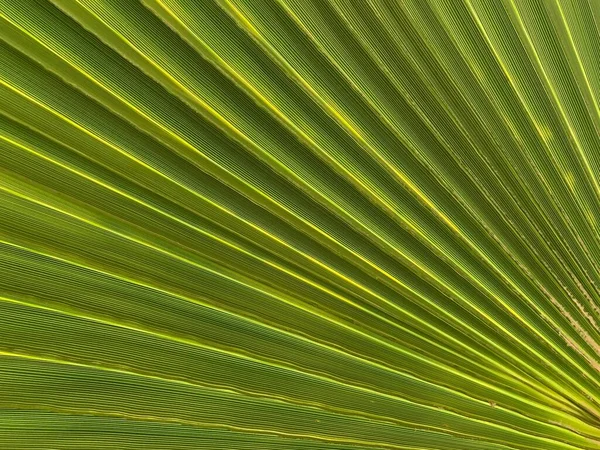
(300, 224)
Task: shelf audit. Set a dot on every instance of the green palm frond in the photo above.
(300, 224)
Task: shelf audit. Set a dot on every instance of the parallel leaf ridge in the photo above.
(300, 224)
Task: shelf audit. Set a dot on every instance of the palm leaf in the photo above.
(307, 224)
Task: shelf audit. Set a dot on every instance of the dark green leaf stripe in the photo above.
(300, 224)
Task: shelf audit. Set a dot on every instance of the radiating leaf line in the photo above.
(167, 337)
(126, 372)
(337, 350)
(299, 224)
(216, 238)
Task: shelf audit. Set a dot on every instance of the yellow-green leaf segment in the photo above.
(300, 224)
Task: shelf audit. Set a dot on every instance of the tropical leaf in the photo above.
(299, 224)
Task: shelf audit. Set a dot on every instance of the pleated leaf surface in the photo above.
(300, 224)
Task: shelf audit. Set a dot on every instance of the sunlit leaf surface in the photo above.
(300, 224)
